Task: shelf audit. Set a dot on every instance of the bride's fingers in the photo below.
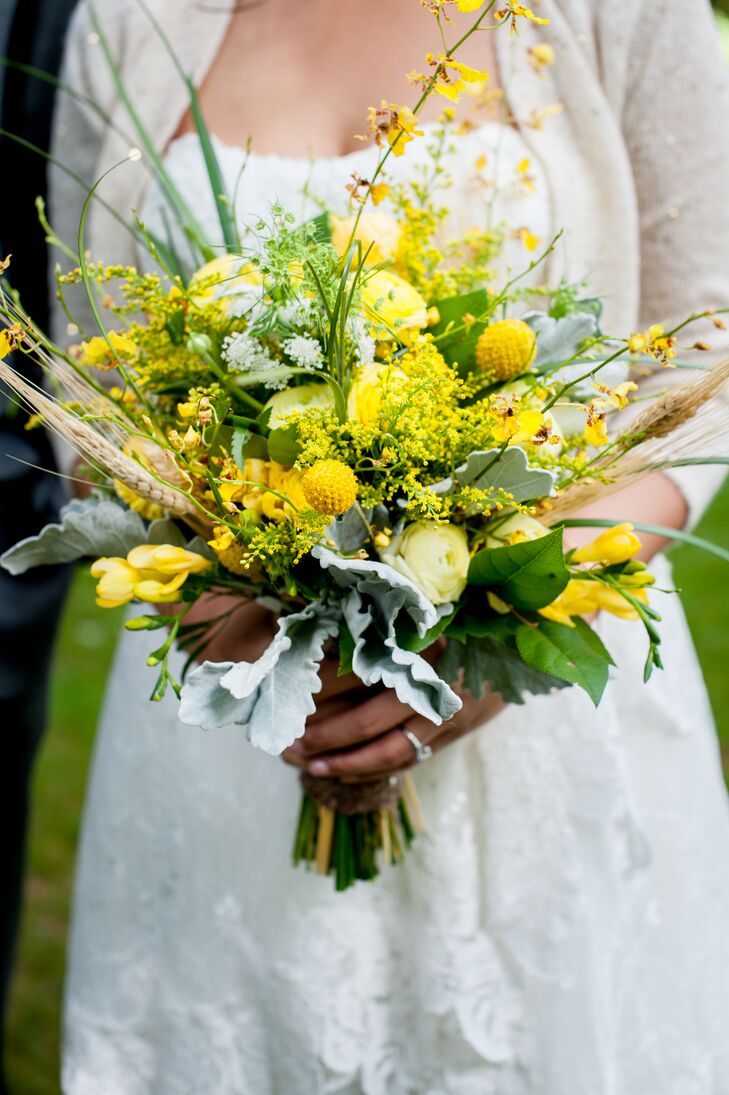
(355, 724)
(391, 752)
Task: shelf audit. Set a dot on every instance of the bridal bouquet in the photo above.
(351, 422)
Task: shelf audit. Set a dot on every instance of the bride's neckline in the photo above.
(191, 139)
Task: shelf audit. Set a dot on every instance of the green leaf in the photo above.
(409, 639)
(456, 343)
(574, 654)
(175, 327)
(346, 650)
(283, 446)
(241, 437)
(486, 661)
(528, 575)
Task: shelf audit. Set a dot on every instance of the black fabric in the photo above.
(31, 32)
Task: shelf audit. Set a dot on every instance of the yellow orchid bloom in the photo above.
(99, 353)
(615, 545)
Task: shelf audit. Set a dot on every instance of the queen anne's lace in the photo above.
(560, 930)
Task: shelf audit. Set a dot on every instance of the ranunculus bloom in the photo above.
(306, 397)
(435, 557)
(392, 304)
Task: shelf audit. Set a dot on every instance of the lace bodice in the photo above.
(487, 181)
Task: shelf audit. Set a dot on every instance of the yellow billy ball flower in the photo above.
(615, 545)
(330, 486)
(229, 550)
(506, 349)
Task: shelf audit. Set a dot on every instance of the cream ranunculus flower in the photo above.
(435, 557)
(392, 304)
(378, 229)
(365, 395)
(306, 397)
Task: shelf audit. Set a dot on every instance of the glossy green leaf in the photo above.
(528, 575)
(456, 342)
(574, 654)
(283, 446)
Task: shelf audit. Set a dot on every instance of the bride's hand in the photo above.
(365, 740)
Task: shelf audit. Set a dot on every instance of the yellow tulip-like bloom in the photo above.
(229, 550)
(223, 280)
(150, 572)
(377, 231)
(393, 305)
(365, 395)
(506, 349)
(330, 487)
(615, 545)
(582, 597)
(98, 353)
(167, 559)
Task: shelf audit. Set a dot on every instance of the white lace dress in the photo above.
(563, 929)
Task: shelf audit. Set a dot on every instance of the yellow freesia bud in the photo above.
(615, 545)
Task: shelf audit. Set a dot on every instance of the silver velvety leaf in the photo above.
(87, 527)
(559, 340)
(377, 657)
(375, 579)
(509, 471)
(271, 697)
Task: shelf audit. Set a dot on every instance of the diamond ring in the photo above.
(422, 752)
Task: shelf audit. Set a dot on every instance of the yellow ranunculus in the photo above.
(223, 280)
(615, 545)
(435, 557)
(167, 559)
(98, 353)
(392, 304)
(306, 397)
(378, 229)
(286, 481)
(365, 395)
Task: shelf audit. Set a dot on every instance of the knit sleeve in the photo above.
(676, 126)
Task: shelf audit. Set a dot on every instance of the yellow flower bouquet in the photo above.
(352, 422)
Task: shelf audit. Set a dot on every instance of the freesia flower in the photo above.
(615, 545)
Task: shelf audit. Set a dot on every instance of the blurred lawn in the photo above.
(87, 640)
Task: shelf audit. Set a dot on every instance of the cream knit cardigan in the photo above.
(637, 162)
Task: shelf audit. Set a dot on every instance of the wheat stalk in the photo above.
(97, 449)
(668, 431)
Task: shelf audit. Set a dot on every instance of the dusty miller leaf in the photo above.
(272, 696)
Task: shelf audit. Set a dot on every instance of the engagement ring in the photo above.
(422, 752)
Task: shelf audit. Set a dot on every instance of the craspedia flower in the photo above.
(330, 487)
(506, 349)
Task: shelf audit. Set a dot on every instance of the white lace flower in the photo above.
(359, 330)
(304, 351)
(244, 354)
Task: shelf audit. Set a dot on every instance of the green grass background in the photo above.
(85, 649)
